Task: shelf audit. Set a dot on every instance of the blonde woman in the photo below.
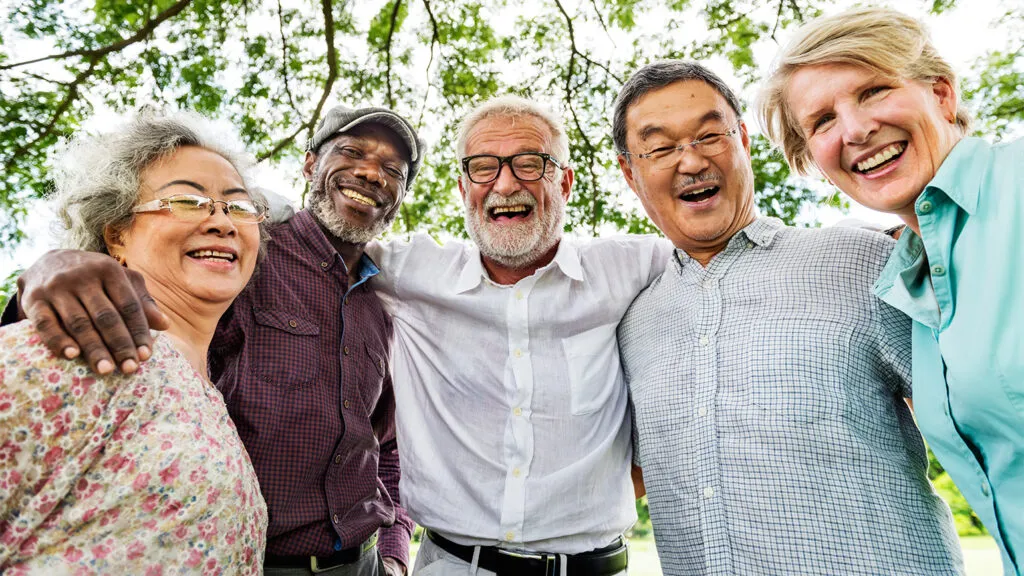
(864, 98)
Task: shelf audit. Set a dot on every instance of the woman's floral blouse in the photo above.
(141, 474)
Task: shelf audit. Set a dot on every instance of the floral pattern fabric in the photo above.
(139, 474)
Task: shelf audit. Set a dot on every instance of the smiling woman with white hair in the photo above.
(864, 97)
(137, 473)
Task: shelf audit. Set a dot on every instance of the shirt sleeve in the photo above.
(895, 345)
(394, 540)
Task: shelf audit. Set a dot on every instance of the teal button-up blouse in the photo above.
(962, 281)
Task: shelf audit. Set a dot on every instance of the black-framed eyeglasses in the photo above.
(194, 207)
(526, 166)
(708, 146)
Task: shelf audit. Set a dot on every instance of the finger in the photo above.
(112, 329)
(50, 330)
(123, 291)
(157, 320)
(79, 327)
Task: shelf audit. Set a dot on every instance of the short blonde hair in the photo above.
(882, 40)
(514, 107)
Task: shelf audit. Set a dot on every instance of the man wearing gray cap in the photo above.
(302, 356)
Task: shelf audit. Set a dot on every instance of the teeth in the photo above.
(700, 191)
(359, 197)
(504, 209)
(883, 155)
(212, 254)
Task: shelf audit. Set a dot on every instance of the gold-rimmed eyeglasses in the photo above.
(193, 207)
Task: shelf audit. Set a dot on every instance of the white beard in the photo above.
(519, 245)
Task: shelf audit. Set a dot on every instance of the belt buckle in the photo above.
(314, 567)
(550, 560)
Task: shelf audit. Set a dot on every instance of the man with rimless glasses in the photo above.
(768, 383)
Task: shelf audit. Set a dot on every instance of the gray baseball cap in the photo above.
(341, 119)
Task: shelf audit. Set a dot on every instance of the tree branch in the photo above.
(50, 125)
(778, 17)
(435, 39)
(284, 58)
(387, 51)
(332, 76)
(600, 19)
(98, 53)
(576, 51)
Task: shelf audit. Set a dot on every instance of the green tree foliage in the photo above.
(272, 67)
(997, 93)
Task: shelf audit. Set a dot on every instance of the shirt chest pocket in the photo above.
(373, 367)
(799, 367)
(290, 347)
(595, 375)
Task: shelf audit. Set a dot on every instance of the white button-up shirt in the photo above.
(513, 419)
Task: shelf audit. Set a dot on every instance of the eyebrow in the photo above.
(651, 130)
(200, 187)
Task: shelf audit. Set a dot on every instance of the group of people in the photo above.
(313, 392)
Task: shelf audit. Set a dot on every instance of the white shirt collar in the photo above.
(567, 258)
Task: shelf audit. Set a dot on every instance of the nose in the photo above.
(690, 161)
(507, 183)
(218, 222)
(857, 124)
(370, 172)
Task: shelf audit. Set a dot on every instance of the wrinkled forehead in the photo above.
(518, 133)
(681, 107)
(373, 135)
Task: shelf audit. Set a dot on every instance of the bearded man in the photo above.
(301, 357)
(513, 413)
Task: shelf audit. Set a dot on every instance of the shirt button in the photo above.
(293, 323)
(517, 411)
(337, 459)
(750, 244)
(509, 536)
(335, 518)
(346, 403)
(345, 350)
(345, 301)
(518, 353)
(709, 492)
(382, 365)
(926, 207)
(704, 340)
(938, 270)
(324, 264)
(516, 472)
(702, 411)
(984, 489)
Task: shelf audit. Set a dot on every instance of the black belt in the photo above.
(322, 563)
(602, 562)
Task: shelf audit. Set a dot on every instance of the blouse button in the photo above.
(926, 207)
(346, 406)
(324, 264)
(938, 270)
(345, 350)
(337, 459)
(293, 323)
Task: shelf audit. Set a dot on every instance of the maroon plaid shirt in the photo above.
(302, 360)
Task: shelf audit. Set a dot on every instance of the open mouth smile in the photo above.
(212, 255)
(509, 212)
(699, 194)
(881, 159)
(361, 198)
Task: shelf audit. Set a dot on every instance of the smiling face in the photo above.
(878, 139)
(699, 202)
(183, 261)
(358, 182)
(515, 223)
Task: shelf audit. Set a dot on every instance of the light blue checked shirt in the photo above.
(770, 423)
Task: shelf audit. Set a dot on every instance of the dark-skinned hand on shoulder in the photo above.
(86, 303)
